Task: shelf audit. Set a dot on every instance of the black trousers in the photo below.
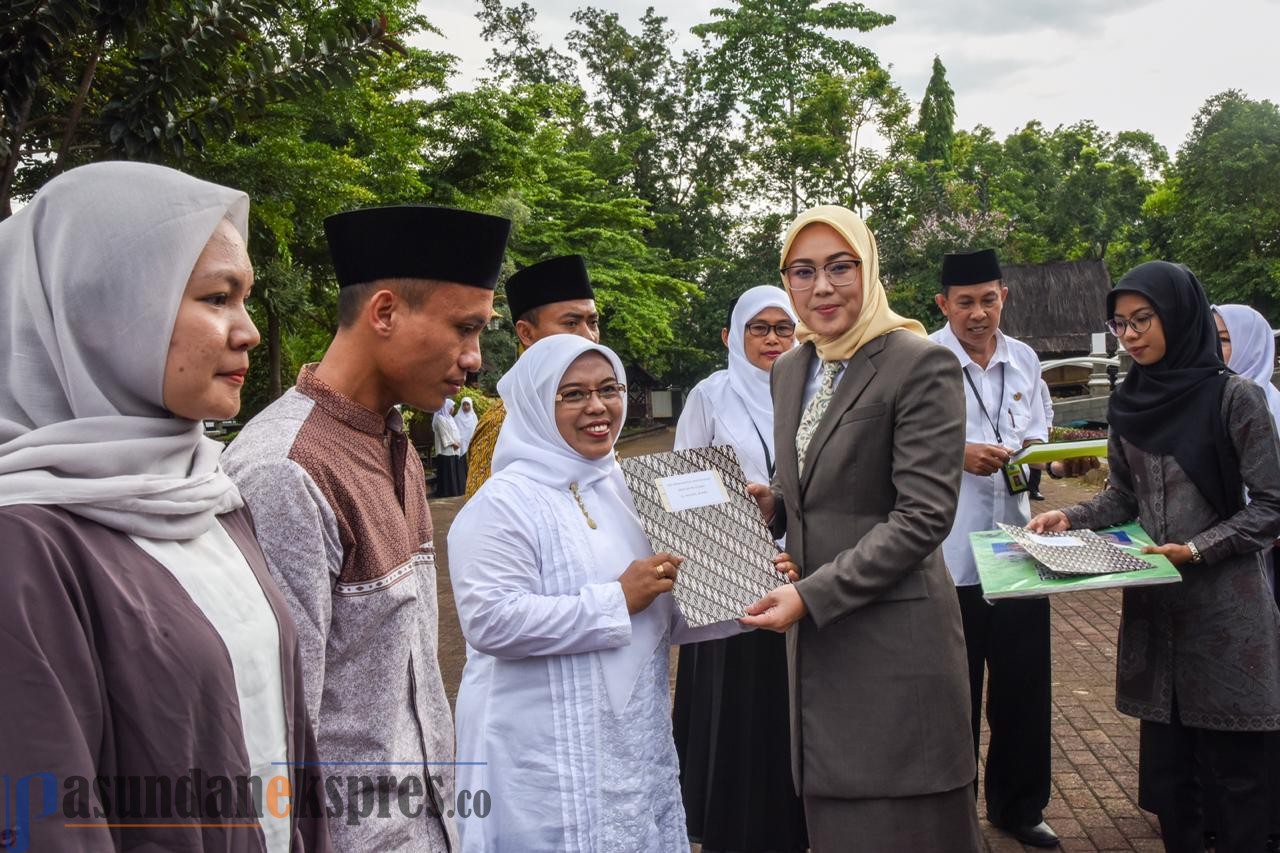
(1010, 639)
(1173, 758)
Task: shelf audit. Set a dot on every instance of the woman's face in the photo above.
(828, 311)
(1148, 346)
(1224, 337)
(591, 425)
(763, 350)
(466, 406)
(212, 334)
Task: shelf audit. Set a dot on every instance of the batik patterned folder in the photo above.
(1076, 552)
(728, 550)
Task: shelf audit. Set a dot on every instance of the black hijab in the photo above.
(1174, 407)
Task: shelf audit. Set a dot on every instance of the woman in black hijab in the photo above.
(1198, 661)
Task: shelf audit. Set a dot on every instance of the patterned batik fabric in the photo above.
(816, 409)
(483, 441)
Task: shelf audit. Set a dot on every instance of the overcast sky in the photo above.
(1126, 64)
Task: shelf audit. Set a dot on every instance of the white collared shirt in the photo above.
(815, 380)
(1011, 391)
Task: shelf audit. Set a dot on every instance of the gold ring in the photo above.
(661, 572)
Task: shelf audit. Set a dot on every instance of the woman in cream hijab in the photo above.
(143, 636)
(869, 429)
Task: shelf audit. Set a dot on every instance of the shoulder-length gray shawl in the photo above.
(92, 272)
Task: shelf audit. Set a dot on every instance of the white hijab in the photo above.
(530, 445)
(743, 403)
(466, 421)
(92, 272)
(1253, 349)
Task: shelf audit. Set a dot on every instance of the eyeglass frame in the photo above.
(1120, 328)
(771, 328)
(857, 266)
(620, 387)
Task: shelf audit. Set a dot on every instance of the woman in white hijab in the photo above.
(733, 406)
(142, 635)
(1249, 348)
(562, 713)
(466, 420)
(451, 476)
(731, 716)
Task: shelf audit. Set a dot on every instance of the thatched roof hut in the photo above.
(1056, 308)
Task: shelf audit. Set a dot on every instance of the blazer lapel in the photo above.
(857, 375)
(789, 377)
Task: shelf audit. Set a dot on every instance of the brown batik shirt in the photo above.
(340, 505)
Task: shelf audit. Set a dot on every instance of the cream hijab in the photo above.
(876, 317)
(92, 272)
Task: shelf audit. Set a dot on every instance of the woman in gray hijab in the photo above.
(153, 695)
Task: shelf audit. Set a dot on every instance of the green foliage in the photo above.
(1220, 213)
(674, 173)
(1072, 193)
(937, 123)
(90, 80)
(480, 401)
(768, 53)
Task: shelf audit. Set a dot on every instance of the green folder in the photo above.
(1035, 454)
(1006, 571)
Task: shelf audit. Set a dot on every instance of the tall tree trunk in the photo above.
(15, 155)
(273, 351)
(77, 107)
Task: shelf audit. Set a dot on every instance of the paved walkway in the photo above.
(1093, 805)
(1095, 778)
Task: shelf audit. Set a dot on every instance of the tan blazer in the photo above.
(878, 676)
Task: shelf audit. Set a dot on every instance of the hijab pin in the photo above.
(1017, 396)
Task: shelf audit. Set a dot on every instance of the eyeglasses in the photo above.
(577, 398)
(805, 276)
(1139, 324)
(761, 329)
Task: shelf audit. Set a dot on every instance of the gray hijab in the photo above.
(92, 272)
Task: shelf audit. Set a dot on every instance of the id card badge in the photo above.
(1015, 479)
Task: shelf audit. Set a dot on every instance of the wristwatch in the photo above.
(1196, 556)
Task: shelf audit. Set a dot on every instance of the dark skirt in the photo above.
(930, 823)
(732, 733)
(451, 476)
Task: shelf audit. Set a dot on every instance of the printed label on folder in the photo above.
(689, 491)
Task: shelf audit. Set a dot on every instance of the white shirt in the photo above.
(214, 573)
(547, 628)
(446, 435)
(703, 424)
(815, 380)
(1011, 391)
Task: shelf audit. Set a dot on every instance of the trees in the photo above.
(83, 80)
(766, 52)
(937, 124)
(1221, 209)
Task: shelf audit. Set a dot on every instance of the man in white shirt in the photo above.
(1004, 412)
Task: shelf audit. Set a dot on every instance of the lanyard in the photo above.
(995, 424)
(768, 457)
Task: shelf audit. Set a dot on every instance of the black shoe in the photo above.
(1039, 835)
(1273, 844)
(1036, 496)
